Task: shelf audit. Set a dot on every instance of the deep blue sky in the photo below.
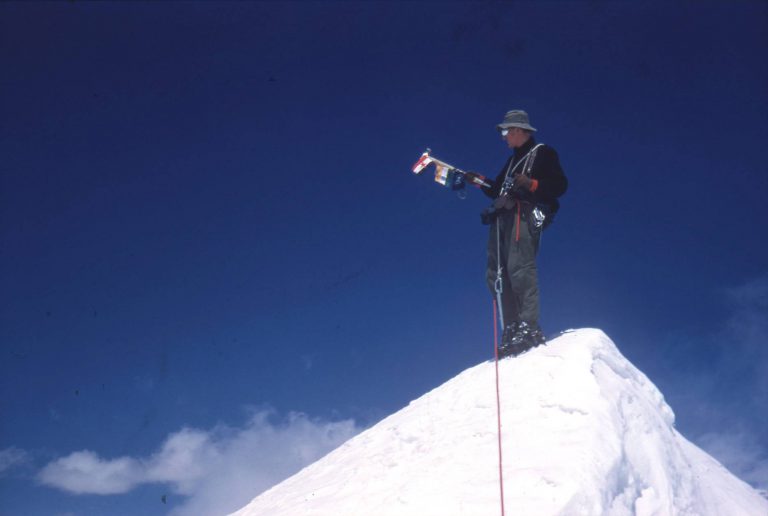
(209, 206)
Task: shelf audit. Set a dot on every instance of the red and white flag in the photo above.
(423, 162)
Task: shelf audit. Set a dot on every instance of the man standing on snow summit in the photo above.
(525, 199)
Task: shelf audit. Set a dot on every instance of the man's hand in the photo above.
(523, 182)
(476, 179)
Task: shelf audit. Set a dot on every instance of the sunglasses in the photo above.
(504, 132)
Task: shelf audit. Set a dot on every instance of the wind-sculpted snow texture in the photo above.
(584, 433)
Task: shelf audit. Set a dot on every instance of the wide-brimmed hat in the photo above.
(516, 118)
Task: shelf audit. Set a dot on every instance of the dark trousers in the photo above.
(518, 249)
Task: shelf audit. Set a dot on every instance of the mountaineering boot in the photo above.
(526, 337)
(506, 349)
(519, 337)
(537, 337)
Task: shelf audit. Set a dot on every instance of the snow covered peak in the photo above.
(583, 432)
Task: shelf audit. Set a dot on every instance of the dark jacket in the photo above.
(546, 169)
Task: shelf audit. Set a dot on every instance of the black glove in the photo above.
(522, 182)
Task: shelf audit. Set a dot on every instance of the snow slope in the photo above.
(584, 433)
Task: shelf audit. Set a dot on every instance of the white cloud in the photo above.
(84, 472)
(217, 470)
(743, 342)
(741, 454)
(12, 457)
(719, 382)
(184, 459)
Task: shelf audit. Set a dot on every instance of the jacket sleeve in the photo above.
(549, 174)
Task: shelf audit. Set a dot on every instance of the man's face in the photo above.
(515, 137)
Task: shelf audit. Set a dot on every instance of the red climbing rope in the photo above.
(498, 401)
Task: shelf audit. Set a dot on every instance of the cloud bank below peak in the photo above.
(217, 470)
